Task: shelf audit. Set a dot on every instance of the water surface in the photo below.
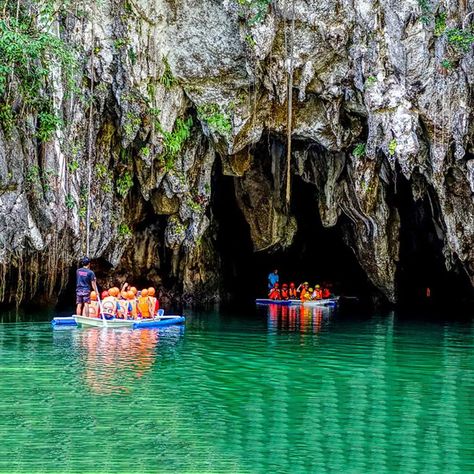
(268, 390)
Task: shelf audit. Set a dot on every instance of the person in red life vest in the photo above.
(292, 293)
(94, 309)
(85, 282)
(275, 292)
(285, 294)
(326, 293)
(302, 290)
(155, 304)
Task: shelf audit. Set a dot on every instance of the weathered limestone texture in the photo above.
(381, 88)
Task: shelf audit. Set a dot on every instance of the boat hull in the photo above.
(98, 322)
(323, 302)
(169, 320)
(160, 322)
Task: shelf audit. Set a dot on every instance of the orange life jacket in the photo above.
(318, 294)
(303, 293)
(326, 293)
(144, 306)
(93, 309)
(109, 305)
(154, 305)
(292, 292)
(284, 294)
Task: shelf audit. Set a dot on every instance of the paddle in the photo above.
(101, 313)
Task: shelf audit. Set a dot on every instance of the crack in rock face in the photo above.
(162, 89)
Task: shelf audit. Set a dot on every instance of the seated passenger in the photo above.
(144, 304)
(326, 292)
(292, 293)
(303, 290)
(94, 309)
(308, 295)
(275, 292)
(123, 306)
(154, 303)
(109, 304)
(133, 309)
(318, 293)
(285, 294)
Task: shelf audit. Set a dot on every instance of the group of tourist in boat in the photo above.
(124, 303)
(290, 292)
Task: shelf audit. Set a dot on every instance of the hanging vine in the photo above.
(289, 124)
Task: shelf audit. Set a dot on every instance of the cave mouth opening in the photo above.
(317, 254)
(422, 276)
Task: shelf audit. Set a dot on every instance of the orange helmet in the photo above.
(114, 291)
(123, 294)
(133, 290)
(130, 295)
(145, 292)
(93, 296)
(151, 291)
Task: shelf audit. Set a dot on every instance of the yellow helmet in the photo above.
(310, 290)
(317, 286)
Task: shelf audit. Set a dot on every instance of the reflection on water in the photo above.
(298, 318)
(280, 390)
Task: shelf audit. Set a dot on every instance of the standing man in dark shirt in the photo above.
(85, 282)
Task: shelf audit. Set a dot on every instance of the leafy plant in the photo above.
(70, 203)
(7, 118)
(132, 55)
(48, 124)
(33, 175)
(426, 11)
(392, 147)
(216, 120)
(440, 24)
(173, 141)
(254, 10)
(119, 43)
(250, 40)
(195, 205)
(73, 166)
(145, 151)
(132, 123)
(101, 170)
(461, 40)
(370, 81)
(359, 150)
(167, 79)
(447, 64)
(124, 183)
(27, 54)
(124, 230)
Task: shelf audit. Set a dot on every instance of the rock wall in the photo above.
(380, 88)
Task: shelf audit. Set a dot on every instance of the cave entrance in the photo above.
(316, 255)
(422, 274)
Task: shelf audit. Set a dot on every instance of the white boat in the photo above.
(323, 302)
(101, 323)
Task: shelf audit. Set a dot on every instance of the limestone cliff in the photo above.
(160, 90)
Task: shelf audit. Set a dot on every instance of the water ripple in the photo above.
(282, 390)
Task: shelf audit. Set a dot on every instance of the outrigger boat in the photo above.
(324, 302)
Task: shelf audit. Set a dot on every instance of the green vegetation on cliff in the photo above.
(28, 55)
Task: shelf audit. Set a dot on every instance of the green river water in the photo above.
(267, 390)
